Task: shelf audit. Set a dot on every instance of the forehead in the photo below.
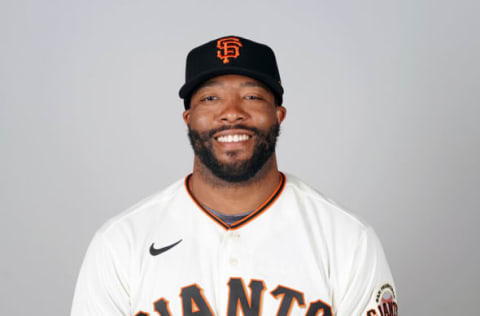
(226, 81)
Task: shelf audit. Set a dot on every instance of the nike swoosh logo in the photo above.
(155, 252)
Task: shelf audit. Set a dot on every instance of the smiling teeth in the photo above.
(233, 138)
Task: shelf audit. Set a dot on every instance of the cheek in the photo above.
(201, 121)
(265, 118)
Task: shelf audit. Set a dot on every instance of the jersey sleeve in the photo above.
(102, 286)
(370, 290)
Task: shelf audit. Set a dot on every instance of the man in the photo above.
(236, 237)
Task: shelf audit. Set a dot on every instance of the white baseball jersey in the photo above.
(297, 254)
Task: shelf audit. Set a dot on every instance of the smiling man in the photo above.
(235, 237)
(233, 124)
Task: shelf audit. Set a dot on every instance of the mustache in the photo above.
(212, 132)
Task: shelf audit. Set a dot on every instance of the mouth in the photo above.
(233, 136)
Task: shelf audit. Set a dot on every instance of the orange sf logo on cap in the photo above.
(229, 47)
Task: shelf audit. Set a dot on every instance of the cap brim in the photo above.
(189, 87)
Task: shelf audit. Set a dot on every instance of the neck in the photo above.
(234, 198)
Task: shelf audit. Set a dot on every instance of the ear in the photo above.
(281, 113)
(186, 116)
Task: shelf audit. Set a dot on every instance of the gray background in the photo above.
(383, 107)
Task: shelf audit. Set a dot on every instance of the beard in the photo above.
(238, 171)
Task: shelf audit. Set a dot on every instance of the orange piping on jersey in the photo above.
(142, 313)
(262, 208)
(212, 216)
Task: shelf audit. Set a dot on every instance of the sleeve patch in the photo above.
(386, 302)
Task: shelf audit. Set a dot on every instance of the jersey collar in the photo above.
(262, 208)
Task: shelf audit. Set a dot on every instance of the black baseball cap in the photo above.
(231, 55)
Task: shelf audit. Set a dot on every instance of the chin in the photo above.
(234, 156)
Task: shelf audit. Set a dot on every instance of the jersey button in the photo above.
(233, 261)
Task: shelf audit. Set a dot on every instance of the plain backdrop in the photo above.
(383, 117)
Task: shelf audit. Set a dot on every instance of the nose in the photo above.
(232, 111)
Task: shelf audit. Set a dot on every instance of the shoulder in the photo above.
(349, 245)
(143, 214)
(313, 203)
(129, 234)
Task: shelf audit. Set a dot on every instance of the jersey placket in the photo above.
(229, 265)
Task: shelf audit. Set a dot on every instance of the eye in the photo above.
(209, 98)
(253, 97)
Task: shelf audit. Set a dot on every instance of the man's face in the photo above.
(233, 124)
